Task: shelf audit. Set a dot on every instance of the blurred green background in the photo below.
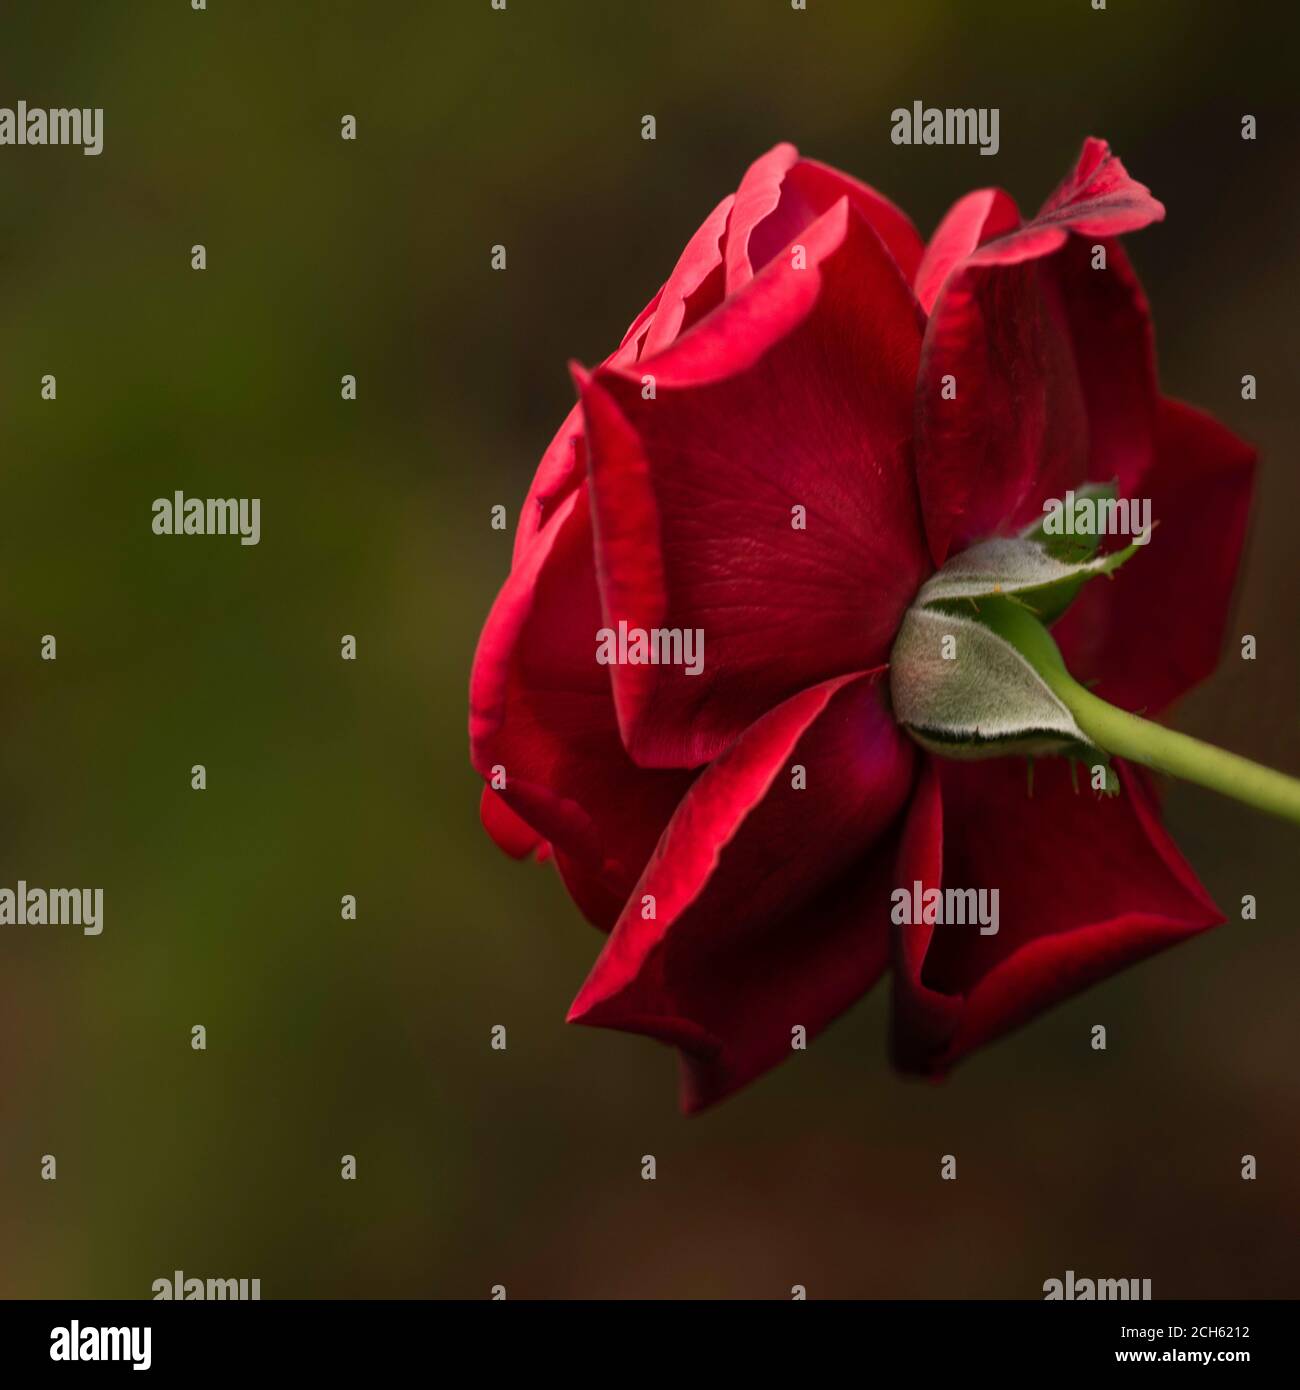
(222, 907)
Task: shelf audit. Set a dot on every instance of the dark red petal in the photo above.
(564, 464)
(1100, 198)
(797, 391)
(1087, 886)
(1156, 628)
(770, 908)
(541, 708)
(923, 1019)
(1016, 431)
(1005, 327)
(563, 467)
(756, 200)
(1110, 327)
(696, 285)
(781, 195)
(512, 834)
(592, 888)
(967, 225)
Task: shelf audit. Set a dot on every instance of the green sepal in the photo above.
(962, 688)
(1073, 546)
(1018, 568)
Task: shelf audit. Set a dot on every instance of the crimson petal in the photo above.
(694, 287)
(541, 708)
(796, 392)
(1087, 886)
(512, 833)
(1003, 332)
(1170, 602)
(967, 225)
(781, 195)
(770, 905)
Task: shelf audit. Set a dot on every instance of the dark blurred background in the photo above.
(328, 1037)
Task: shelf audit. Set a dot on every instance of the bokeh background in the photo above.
(222, 908)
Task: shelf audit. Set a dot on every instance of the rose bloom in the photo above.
(739, 832)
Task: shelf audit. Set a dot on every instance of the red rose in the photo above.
(808, 352)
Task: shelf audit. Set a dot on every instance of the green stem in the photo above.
(1166, 750)
(1140, 740)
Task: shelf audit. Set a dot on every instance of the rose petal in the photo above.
(968, 224)
(1087, 886)
(770, 912)
(781, 195)
(696, 285)
(923, 1019)
(797, 392)
(1004, 328)
(512, 834)
(564, 464)
(541, 708)
(1099, 197)
(1156, 629)
(1012, 429)
(1114, 351)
